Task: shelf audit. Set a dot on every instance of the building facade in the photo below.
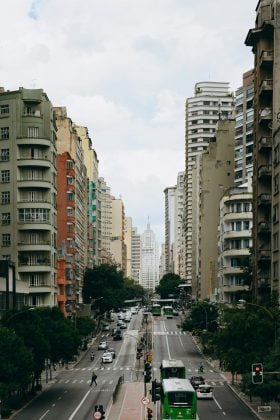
(149, 278)
(169, 194)
(135, 254)
(212, 102)
(264, 39)
(28, 193)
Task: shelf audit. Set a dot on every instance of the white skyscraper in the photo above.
(149, 278)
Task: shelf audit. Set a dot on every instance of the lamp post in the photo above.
(270, 314)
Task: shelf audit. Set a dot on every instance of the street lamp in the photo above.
(270, 314)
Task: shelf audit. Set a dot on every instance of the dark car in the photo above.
(196, 381)
(117, 336)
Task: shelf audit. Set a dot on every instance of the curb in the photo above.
(238, 394)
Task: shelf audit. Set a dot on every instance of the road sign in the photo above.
(97, 415)
(145, 400)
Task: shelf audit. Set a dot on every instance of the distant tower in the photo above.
(149, 260)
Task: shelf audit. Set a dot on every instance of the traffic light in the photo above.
(149, 413)
(257, 373)
(148, 372)
(156, 391)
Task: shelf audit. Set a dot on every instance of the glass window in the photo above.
(4, 109)
(5, 154)
(33, 132)
(5, 176)
(4, 133)
(6, 239)
(6, 218)
(5, 197)
(246, 225)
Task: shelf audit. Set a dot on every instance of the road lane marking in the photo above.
(217, 403)
(44, 415)
(78, 407)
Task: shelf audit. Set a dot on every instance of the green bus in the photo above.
(172, 369)
(168, 311)
(178, 400)
(156, 309)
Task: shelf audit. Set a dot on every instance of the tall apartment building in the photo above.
(216, 175)
(244, 121)
(117, 244)
(91, 163)
(169, 193)
(264, 39)
(179, 248)
(135, 255)
(161, 269)
(212, 102)
(128, 244)
(149, 260)
(77, 200)
(105, 198)
(234, 243)
(28, 194)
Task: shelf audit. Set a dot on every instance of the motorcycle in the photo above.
(201, 368)
(92, 357)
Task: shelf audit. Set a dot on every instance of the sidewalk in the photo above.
(128, 405)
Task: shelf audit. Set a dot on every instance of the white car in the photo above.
(107, 357)
(204, 391)
(103, 345)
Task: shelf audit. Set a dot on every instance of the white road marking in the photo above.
(217, 403)
(44, 415)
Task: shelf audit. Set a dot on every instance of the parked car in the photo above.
(204, 391)
(102, 345)
(106, 327)
(196, 381)
(107, 357)
(122, 326)
(120, 322)
(114, 331)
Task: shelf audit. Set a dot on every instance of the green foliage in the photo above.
(203, 316)
(108, 282)
(16, 363)
(168, 285)
(85, 326)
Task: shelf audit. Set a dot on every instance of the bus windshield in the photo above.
(181, 398)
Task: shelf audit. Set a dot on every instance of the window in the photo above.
(276, 154)
(34, 215)
(33, 132)
(275, 213)
(5, 197)
(238, 208)
(276, 183)
(5, 154)
(5, 176)
(70, 196)
(238, 226)
(6, 239)
(4, 133)
(275, 241)
(70, 180)
(6, 218)
(246, 225)
(70, 211)
(4, 109)
(69, 164)
(246, 207)
(275, 270)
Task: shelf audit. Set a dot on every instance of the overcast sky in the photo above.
(124, 68)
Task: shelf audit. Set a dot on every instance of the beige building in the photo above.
(28, 194)
(264, 39)
(105, 198)
(135, 255)
(128, 245)
(117, 245)
(216, 175)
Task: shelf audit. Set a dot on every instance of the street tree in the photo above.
(168, 285)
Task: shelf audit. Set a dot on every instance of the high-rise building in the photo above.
(135, 255)
(104, 193)
(169, 193)
(264, 39)
(212, 102)
(28, 194)
(128, 244)
(149, 260)
(179, 249)
(75, 241)
(244, 120)
(117, 244)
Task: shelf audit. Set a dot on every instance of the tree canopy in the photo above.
(168, 285)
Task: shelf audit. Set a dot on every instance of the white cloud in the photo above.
(124, 69)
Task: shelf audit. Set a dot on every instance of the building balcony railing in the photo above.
(264, 199)
(264, 227)
(265, 114)
(266, 58)
(266, 86)
(265, 171)
(265, 143)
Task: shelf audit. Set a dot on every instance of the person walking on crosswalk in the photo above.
(93, 378)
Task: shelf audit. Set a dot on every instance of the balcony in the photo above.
(265, 115)
(265, 171)
(265, 144)
(42, 162)
(61, 298)
(230, 288)
(264, 255)
(40, 288)
(266, 87)
(266, 58)
(264, 227)
(264, 199)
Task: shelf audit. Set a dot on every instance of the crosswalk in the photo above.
(171, 332)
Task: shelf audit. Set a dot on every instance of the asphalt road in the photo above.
(171, 343)
(71, 397)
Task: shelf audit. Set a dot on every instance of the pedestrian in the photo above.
(93, 378)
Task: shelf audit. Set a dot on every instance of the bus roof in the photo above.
(176, 384)
(172, 363)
